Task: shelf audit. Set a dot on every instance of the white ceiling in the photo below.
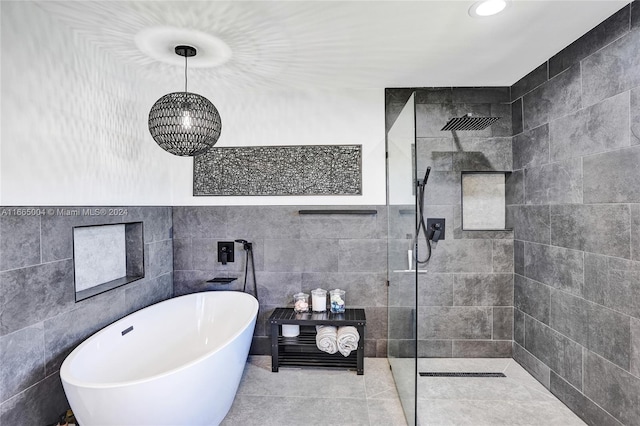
(338, 44)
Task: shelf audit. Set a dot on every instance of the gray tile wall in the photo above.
(292, 253)
(577, 304)
(466, 300)
(40, 324)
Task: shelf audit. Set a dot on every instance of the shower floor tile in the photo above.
(517, 399)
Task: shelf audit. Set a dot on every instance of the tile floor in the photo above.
(333, 397)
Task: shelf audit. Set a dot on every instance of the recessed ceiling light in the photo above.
(487, 8)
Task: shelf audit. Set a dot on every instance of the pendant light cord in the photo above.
(185, 74)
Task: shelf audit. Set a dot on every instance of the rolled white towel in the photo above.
(348, 338)
(326, 336)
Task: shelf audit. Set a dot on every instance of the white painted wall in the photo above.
(74, 124)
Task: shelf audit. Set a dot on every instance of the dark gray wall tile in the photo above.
(482, 154)
(39, 405)
(377, 323)
(480, 95)
(612, 388)
(158, 221)
(517, 124)
(403, 348)
(64, 332)
(530, 223)
(621, 291)
(635, 14)
(558, 352)
(483, 290)
(601, 127)
(596, 278)
(32, 294)
(22, 360)
(481, 348)
(533, 365)
(569, 315)
(634, 361)
(358, 256)
(182, 254)
(502, 127)
(19, 241)
(401, 322)
(586, 409)
(518, 326)
(444, 188)
(503, 323)
(186, 282)
(619, 59)
(555, 266)
(344, 226)
(559, 96)
(456, 256)
(635, 231)
(362, 288)
(609, 334)
(276, 222)
(159, 258)
(141, 294)
(601, 330)
(612, 177)
(514, 187)
(556, 183)
(457, 322)
(434, 95)
(635, 114)
(609, 30)
(531, 148)
(436, 153)
(434, 289)
(435, 348)
(589, 228)
(200, 222)
(531, 298)
(278, 288)
(530, 81)
(518, 257)
(502, 256)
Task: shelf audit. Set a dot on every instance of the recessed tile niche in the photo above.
(483, 201)
(106, 257)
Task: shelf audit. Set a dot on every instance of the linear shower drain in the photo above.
(435, 374)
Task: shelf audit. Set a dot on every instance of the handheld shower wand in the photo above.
(248, 248)
(421, 226)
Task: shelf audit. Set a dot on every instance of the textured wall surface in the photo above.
(292, 253)
(576, 216)
(466, 299)
(40, 323)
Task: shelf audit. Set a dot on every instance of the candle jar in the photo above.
(301, 302)
(319, 300)
(337, 301)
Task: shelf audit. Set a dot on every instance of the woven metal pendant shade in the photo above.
(184, 123)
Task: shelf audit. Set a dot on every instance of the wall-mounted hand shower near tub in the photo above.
(248, 248)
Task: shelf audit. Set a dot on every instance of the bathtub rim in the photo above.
(67, 377)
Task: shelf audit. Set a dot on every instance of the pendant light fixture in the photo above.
(183, 123)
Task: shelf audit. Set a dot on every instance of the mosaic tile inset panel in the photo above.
(279, 170)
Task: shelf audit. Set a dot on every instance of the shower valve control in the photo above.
(225, 252)
(435, 229)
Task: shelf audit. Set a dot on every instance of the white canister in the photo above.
(319, 300)
(290, 330)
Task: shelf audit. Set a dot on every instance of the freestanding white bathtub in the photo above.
(178, 362)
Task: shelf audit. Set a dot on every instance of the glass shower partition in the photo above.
(402, 275)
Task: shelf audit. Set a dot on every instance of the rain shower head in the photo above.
(469, 122)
